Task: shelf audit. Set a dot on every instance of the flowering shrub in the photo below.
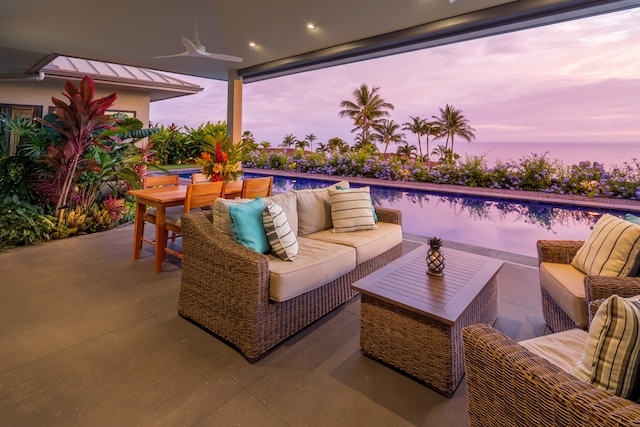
(530, 173)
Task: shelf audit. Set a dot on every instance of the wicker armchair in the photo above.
(595, 287)
(507, 385)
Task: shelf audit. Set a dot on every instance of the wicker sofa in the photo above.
(570, 310)
(508, 385)
(225, 287)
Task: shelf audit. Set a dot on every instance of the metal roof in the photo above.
(161, 86)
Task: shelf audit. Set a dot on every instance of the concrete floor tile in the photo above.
(243, 411)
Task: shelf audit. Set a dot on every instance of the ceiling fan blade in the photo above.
(222, 57)
(196, 50)
(186, 53)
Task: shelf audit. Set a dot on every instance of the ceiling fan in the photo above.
(195, 49)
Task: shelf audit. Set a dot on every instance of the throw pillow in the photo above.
(246, 222)
(351, 209)
(612, 351)
(373, 209)
(612, 249)
(632, 218)
(281, 238)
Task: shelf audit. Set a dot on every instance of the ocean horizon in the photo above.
(568, 153)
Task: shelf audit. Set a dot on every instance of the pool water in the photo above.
(504, 225)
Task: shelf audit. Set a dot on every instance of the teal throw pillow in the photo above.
(632, 218)
(246, 223)
(373, 209)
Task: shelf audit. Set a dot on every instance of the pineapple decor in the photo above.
(435, 257)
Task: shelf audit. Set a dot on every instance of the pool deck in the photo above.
(530, 196)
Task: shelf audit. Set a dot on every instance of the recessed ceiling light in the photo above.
(253, 44)
(311, 25)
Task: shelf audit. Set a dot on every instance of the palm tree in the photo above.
(367, 109)
(323, 148)
(452, 122)
(407, 151)
(386, 132)
(417, 126)
(301, 144)
(265, 145)
(337, 145)
(288, 141)
(431, 129)
(310, 138)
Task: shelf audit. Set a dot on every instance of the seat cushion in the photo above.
(317, 264)
(612, 249)
(563, 349)
(611, 356)
(367, 243)
(172, 211)
(351, 209)
(565, 284)
(314, 209)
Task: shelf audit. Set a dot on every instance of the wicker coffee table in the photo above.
(413, 321)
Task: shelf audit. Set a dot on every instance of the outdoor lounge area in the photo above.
(92, 337)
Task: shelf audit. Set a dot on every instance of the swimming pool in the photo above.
(506, 225)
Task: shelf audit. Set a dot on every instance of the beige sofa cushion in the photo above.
(367, 243)
(317, 264)
(222, 219)
(565, 284)
(314, 209)
(563, 349)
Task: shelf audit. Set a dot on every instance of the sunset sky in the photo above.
(577, 81)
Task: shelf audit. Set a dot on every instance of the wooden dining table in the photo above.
(162, 198)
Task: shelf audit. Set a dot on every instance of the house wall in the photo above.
(32, 92)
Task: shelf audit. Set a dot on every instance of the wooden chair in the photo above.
(254, 187)
(198, 196)
(198, 178)
(150, 214)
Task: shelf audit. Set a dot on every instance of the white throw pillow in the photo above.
(612, 351)
(613, 249)
(351, 209)
(279, 234)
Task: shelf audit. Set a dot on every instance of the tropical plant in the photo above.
(407, 151)
(337, 145)
(366, 110)
(78, 124)
(452, 122)
(386, 132)
(221, 159)
(302, 144)
(418, 127)
(323, 148)
(22, 223)
(265, 144)
(168, 143)
(288, 141)
(310, 138)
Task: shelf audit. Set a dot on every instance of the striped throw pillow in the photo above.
(613, 249)
(279, 234)
(612, 351)
(351, 209)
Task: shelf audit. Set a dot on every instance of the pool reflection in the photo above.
(510, 226)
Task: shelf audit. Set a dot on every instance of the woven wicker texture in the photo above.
(596, 287)
(509, 386)
(225, 288)
(423, 347)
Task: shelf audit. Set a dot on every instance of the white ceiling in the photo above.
(132, 32)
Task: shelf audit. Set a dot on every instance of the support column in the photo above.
(234, 106)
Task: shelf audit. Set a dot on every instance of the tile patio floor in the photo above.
(89, 337)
